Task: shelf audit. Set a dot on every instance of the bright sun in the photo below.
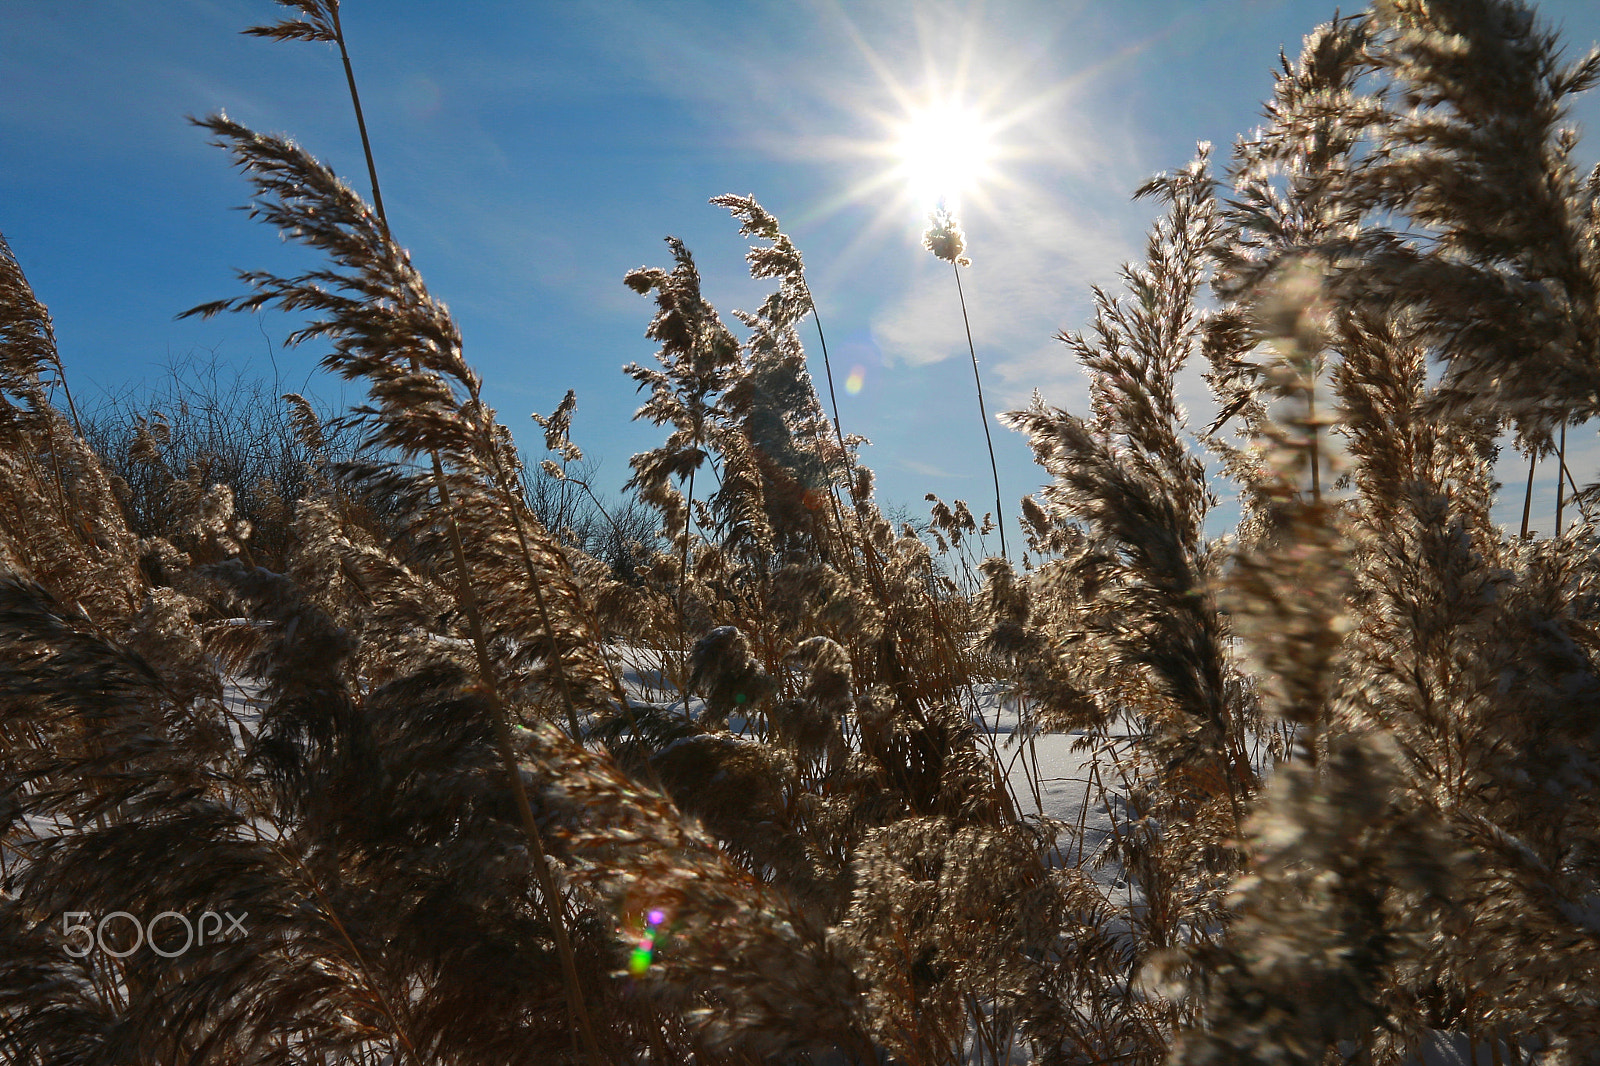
(944, 151)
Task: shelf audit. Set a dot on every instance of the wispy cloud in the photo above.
(1031, 276)
(929, 469)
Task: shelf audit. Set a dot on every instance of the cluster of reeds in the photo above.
(481, 798)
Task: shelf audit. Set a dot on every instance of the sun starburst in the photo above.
(944, 150)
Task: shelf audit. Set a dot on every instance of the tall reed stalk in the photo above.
(323, 24)
(946, 241)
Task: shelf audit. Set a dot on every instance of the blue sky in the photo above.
(533, 153)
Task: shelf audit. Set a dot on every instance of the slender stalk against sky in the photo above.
(946, 241)
(361, 119)
(983, 414)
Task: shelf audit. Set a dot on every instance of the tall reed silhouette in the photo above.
(945, 239)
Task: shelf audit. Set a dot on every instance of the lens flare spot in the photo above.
(856, 379)
(656, 917)
(421, 97)
(639, 961)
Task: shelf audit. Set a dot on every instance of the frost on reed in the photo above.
(1348, 751)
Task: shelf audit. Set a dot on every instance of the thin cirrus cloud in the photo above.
(825, 83)
(1029, 269)
(821, 92)
(917, 466)
(830, 98)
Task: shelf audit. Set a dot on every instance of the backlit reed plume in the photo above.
(1341, 791)
(511, 578)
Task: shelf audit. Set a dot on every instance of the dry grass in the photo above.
(405, 753)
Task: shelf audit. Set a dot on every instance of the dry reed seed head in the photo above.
(388, 329)
(1289, 602)
(755, 220)
(165, 633)
(729, 676)
(27, 335)
(1038, 522)
(779, 260)
(1346, 884)
(1128, 476)
(745, 966)
(945, 239)
(1006, 609)
(151, 437)
(320, 22)
(1293, 310)
(830, 681)
(557, 430)
(1045, 534)
(216, 511)
(805, 596)
(759, 411)
(1490, 238)
(941, 911)
(1293, 303)
(862, 483)
(306, 423)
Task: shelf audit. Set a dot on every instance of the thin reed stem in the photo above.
(1527, 496)
(72, 408)
(847, 554)
(1561, 484)
(983, 413)
(361, 121)
(833, 401)
(1572, 482)
(827, 368)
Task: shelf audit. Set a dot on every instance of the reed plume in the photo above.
(1341, 786)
